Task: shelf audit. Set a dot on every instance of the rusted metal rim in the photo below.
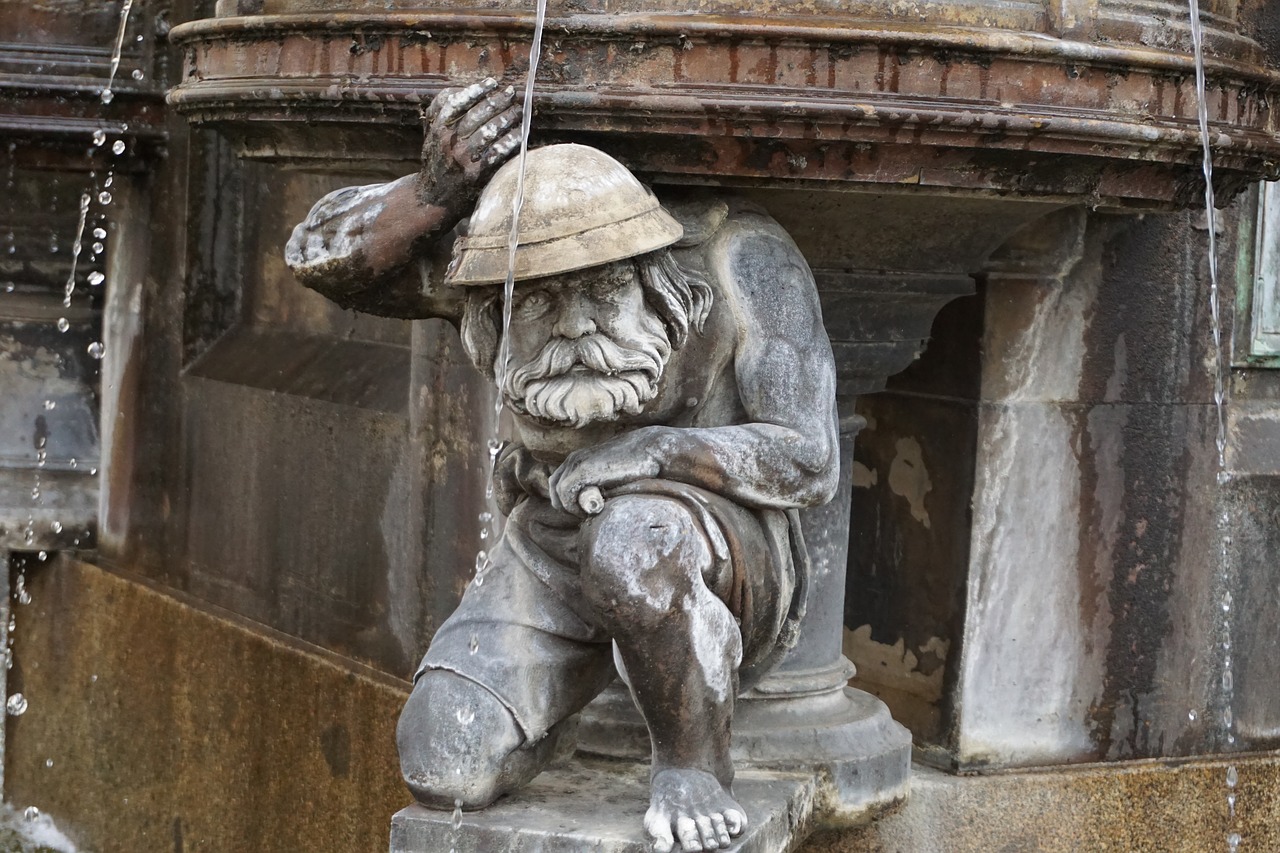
(781, 30)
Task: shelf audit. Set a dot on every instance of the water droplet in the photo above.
(17, 705)
(98, 248)
(96, 278)
(72, 462)
(486, 517)
(137, 74)
(495, 447)
(57, 526)
(1228, 718)
(93, 677)
(1231, 805)
(100, 233)
(1192, 715)
(104, 197)
(456, 820)
(1224, 477)
(30, 813)
(466, 715)
(1233, 777)
(482, 561)
(118, 147)
(48, 762)
(484, 533)
(42, 556)
(99, 137)
(1228, 681)
(474, 645)
(50, 405)
(1233, 842)
(24, 597)
(111, 179)
(96, 350)
(107, 96)
(93, 472)
(1226, 602)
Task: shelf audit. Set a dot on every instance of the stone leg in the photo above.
(642, 569)
(460, 746)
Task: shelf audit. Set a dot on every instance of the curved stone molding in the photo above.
(820, 98)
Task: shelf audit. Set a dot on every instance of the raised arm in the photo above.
(786, 454)
(370, 248)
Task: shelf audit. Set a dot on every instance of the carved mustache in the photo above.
(595, 352)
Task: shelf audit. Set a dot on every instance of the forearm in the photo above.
(360, 247)
(761, 465)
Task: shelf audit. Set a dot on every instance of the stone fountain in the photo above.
(917, 153)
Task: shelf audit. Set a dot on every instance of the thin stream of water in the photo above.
(517, 204)
(1220, 384)
(107, 95)
(76, 245)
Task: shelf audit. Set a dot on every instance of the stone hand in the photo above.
(468, 133)
(613, 463)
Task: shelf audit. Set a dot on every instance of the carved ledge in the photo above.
(788, 99)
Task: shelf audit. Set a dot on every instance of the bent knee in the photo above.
(642, 554)
(454, 738)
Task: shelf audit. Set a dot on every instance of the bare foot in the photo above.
(690, 810)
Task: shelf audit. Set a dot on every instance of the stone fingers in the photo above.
(494, 104)
(492, 130)
(451, 104)
(499, 151)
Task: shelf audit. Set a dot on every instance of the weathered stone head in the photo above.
(599, 302)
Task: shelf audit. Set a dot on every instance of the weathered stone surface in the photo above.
(157, 724)
(1137, 807)
(598, 805)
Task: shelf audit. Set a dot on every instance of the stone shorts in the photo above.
(525, 632)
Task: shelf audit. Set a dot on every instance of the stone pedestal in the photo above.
(596, 804)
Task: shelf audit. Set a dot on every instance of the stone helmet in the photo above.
(582, 208)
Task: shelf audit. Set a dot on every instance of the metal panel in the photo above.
(1264, 339)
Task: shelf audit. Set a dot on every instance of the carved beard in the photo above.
(584, 380)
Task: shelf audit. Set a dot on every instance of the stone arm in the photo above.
(379, 248)
(786, 454)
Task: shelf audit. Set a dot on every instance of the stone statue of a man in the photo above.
(672, 388)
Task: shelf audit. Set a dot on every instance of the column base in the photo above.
(845, 737)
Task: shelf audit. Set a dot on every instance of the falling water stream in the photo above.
(1220, 384)
(487, 529)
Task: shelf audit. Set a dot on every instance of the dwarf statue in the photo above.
(673, 394)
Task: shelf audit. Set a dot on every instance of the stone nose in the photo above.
(576, 317)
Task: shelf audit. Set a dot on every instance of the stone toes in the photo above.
(687, 832)
(659, 829)
(706, 833)
(722, 831)
(735, 821)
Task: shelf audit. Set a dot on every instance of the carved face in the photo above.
(585, 347)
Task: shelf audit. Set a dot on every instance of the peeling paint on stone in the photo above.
(919, 672)
(864, 477)
(908, 478)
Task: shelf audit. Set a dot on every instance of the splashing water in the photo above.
(107, 95)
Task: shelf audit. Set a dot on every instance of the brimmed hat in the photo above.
(582, 208)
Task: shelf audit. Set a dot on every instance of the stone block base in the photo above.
(597, 805)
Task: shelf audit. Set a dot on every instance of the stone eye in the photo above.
(532, 304)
